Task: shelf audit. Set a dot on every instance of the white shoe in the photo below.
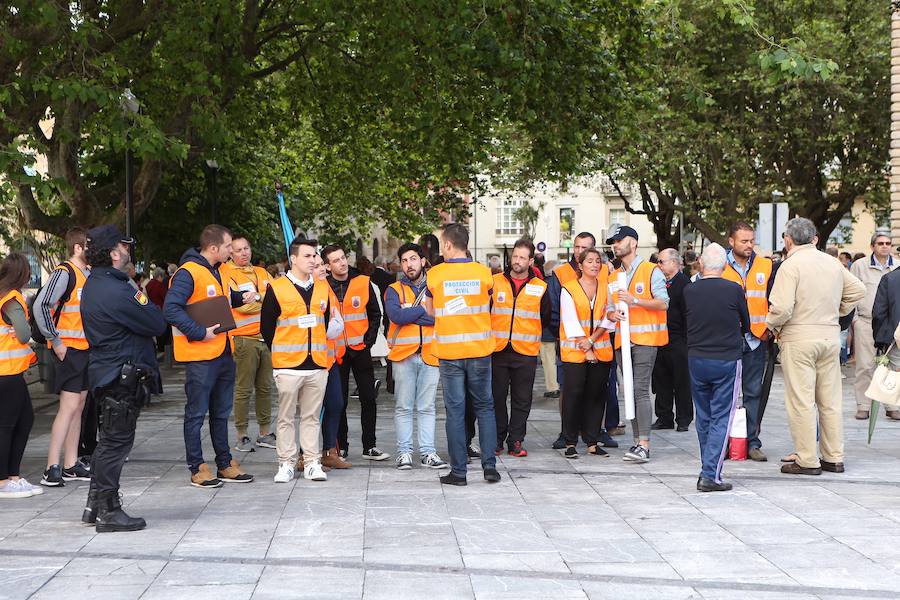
(35, 490)
(404, 461)
(285, 473)
(12, 489)
(314, 471)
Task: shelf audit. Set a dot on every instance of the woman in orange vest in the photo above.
(16, 412)
(586, 354)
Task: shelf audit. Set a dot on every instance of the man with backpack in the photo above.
(57, 316)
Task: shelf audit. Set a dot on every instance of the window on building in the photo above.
(507, 224)
(566, 224)
(616, 216)
(843, 233)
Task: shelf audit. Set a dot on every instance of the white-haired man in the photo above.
(717, 321)
(811, 291)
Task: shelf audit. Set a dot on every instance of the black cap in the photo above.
(621, 232)
(107, 236)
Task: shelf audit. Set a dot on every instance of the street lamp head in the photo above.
(129, 102)
(212, 163)
(776, 196)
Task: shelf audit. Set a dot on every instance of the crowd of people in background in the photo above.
(670, 339)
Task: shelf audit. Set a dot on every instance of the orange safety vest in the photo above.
(754, 290)
(590, 320)
(647, 327)
(205, 286)
(247, 324)
(462, 312)
(406, 340)
(353, 310)
(70, 326)
(15, 357)
(300, 329)
(516, 319)
(565, 273)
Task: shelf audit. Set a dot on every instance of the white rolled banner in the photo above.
(625, 336)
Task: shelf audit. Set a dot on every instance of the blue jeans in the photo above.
(209, 387)
(714, 394)
(415, 386)
(472, 375)
(332, 408)
(754, 367)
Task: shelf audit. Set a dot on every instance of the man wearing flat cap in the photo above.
(120, 323)
(648, 301)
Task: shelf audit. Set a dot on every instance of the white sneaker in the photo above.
(34, 490)
(433, 461)
(404, 461)
(285, 473)
(314, 471)
(12, 489)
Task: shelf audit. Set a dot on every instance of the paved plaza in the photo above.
(553, 528)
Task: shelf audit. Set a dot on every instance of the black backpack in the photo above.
(36, 334)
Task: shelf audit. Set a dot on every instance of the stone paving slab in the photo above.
(592, 528)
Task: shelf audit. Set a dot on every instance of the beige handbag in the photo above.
(885, 386)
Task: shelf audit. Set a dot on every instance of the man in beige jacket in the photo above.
(810, 292)
(869, 270)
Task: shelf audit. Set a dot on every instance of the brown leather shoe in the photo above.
(617, 431)
(893, 415)
(795, 469)
(331, 459)
(756, 454)
(234, 474)
(203, 478)
(832, 467)
(862, 415)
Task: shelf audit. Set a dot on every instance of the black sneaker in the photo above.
(76, 472)
(344, 454)
(374, 453)
(491, 475)
(662, 425)
(472, 452)
(451, 479)
(560, 442)
(53, 477)
(607, 441)
(709, 485)
(571, 452)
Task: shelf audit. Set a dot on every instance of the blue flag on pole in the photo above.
(286, 226)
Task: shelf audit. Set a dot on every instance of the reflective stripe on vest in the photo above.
(516, 318)
(356, 320)
(15, 357)
(247, 324)
(647, 327)
(292, 344)
(464, 331)
(407, 340)
(205, 286)
(589, 319)
(755, 288)
(70, 326)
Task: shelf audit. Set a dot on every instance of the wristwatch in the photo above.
(634, 301)
(257, 297)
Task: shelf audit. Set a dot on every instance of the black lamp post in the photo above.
(212, 170)
(130, 107)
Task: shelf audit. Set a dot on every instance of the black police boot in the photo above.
(111, 517)
(89, 516)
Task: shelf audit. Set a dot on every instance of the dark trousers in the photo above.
(459, 379)
(360, 362)
(753, 369)
(586, 397)
(209, 387)
(16, 419)
(512, 373)
(672, 382)
(87, 443)
(332, 409)
(470, 419)
(116, 437)
(712, 384)
(612, 403)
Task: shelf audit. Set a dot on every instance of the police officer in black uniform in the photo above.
(120, 324)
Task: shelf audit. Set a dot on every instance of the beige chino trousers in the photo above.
(304, 394)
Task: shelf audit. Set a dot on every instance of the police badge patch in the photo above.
(354, 302)
(639, 288)
(323, 304)
(141, 298)
(760, 278)
(501, 297)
